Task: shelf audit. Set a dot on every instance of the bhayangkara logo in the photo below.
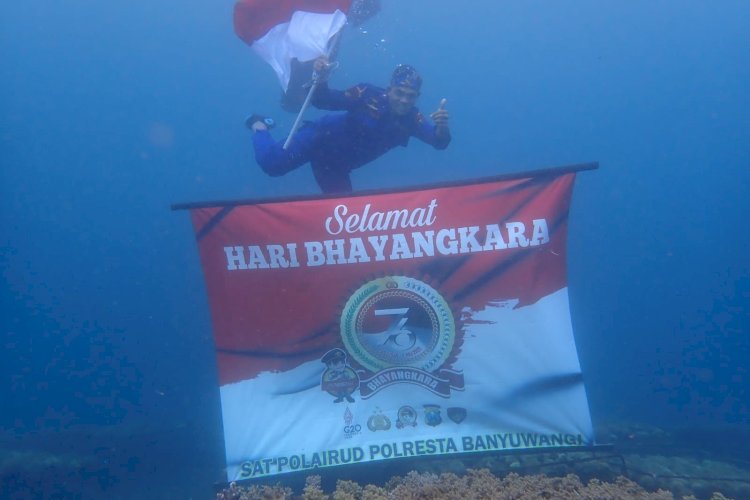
(401, 330)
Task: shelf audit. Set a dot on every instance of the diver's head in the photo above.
(362, 10)
(404, 89)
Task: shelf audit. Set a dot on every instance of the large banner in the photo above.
(399, 324)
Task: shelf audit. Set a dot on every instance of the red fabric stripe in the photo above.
(254, 18)
(277, 319)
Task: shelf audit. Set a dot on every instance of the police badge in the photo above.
(432, 415)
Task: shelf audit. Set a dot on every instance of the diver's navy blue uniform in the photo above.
(338, 143)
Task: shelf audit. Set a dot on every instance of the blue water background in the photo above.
(110, 111)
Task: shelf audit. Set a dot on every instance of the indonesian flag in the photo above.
(281, 30)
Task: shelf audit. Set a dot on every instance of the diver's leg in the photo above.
(332, 180)
(277, 161)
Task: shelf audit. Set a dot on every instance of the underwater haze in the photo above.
(111, 111)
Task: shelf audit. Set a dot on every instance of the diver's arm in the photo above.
(333, 100)
(325, 97)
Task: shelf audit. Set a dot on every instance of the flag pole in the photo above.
(311, 92)
(305, 105)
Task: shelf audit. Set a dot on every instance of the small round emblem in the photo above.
(398, 321)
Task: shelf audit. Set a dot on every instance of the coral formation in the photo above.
(479, 483)
(264, 492)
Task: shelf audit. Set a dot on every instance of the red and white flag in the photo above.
(396, 324)
(282, 30)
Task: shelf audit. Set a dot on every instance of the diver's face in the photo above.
(401, 99)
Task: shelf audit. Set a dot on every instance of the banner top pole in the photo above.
(543, 172)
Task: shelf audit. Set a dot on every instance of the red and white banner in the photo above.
(280, 30)
(399, 324)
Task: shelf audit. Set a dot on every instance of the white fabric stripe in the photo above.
(505, 348)
(305, 37)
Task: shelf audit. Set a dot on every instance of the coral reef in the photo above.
(479, 483)
(263, 492)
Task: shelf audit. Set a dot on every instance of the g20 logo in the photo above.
(352, 430)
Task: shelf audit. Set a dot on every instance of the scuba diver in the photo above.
(376, 121)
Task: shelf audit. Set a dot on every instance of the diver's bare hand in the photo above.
(322, 67)
(441, 116)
